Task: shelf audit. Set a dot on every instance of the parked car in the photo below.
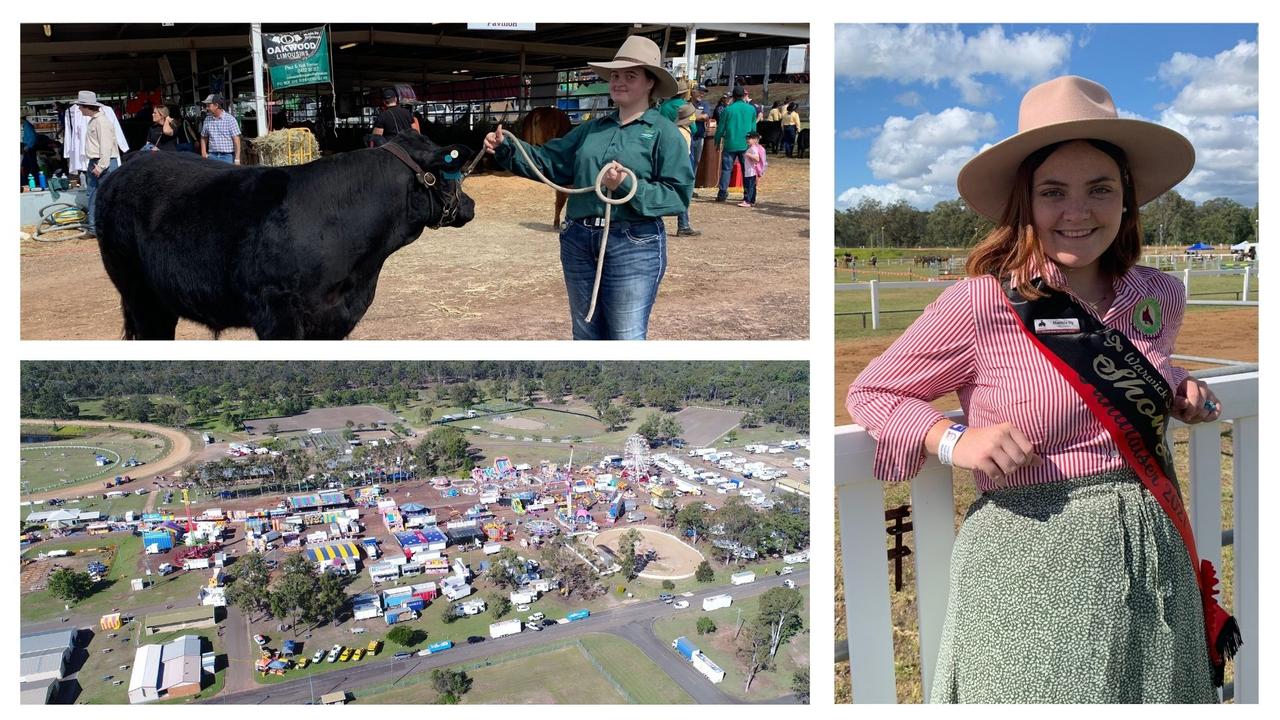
(303, 662)
(786, 570)
(522, 607)
(318, 656)
(536, 617)
(260, 639)
(333, 653)
(346, 655)
(403, 655)
(680, 604)
(358, 654)
(475, 639)
(667, 598)
(789, 583)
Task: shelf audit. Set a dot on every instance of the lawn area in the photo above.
(96, 691)
(178, 588)
(536, 423)
(70, 463)
(719, 647)
(595, 669)
(771, 433)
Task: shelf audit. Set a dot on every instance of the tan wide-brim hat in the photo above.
(642, 52)
(1073, 108)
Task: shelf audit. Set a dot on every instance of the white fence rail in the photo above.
(862, 536)
(875, 286)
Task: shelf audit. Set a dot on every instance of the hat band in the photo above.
(624, 58)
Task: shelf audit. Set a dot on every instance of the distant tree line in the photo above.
(776, 392)
(1168, 220)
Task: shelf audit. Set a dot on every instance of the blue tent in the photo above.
(278, 665)
(1200, 246)
(290, 648)
(413, 508)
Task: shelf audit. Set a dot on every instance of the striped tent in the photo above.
(325, 553)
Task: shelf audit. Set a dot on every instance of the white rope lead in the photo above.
(599, 190)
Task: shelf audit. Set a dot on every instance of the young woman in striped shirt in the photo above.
(1068, 581)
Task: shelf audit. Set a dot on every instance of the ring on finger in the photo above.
(1210, 406)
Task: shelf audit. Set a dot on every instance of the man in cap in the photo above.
(394, 119)
(220, 133)
(736, 120)
(100, 148)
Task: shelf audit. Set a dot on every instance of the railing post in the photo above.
(875, 305)
(933, 522)
(1245, 480)
(1205, 465)
(1244, 294)
(1186, 280)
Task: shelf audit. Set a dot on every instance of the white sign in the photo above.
(528, 27)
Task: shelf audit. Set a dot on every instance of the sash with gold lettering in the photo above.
(1127, 394)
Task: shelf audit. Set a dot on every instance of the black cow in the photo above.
(293, 252)
(770, 134)
(802, 143)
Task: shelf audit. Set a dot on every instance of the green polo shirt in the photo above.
(735, 122)
(650, 146)
(671, 111)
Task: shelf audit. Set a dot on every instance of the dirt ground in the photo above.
(180, 453)
(1228, 333)
(675, 560)
(745, 277)
(701, 426)
(327, 418)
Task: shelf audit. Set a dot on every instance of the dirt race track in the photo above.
(326, 418)
(1224, 333)
(675, 559)
(745, 277)
(181, 450)
(702, 426)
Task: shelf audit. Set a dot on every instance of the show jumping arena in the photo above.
(676, 559)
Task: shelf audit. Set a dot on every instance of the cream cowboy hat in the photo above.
(88, 97)
(642, 52)
(1073, 108)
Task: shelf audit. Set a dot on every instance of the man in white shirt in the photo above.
(99, 147)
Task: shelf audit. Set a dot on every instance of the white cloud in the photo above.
(909, 99)
(857, 133)
(934, 54)
(921, 156)
(1216, 108)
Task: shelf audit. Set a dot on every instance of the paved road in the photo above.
(614, 621)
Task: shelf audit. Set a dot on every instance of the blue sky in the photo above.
(913, 103)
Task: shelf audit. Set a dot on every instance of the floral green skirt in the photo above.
(1072, 592)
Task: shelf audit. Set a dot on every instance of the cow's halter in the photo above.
(452, 201)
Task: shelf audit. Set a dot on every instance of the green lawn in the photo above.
(95, 690)
(179, 588)
(61, 464)
(719, 647)
(593, 670)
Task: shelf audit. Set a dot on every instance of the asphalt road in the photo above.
(633, 622)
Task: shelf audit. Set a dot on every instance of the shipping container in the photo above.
(504, 628)
(715, 602)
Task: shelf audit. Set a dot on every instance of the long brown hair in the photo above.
(1012, 248)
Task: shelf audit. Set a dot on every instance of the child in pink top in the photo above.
(753, 167)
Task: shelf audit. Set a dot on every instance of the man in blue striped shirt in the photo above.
(220, 133)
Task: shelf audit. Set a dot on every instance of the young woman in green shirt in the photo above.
(638, 138)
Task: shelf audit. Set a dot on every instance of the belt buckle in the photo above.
(594, 222)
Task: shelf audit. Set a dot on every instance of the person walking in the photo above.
(101, 150)
(736, 120)
(1074, 576)
(635, 137)
(220, 133)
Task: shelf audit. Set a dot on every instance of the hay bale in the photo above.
(293, 146)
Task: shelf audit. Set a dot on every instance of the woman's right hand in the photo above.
(493, 140)
(997, 451)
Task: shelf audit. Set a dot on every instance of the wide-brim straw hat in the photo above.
(642, 52)
(684, 115)
(1074, 108)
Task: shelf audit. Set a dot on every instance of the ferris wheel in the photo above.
(635, 456)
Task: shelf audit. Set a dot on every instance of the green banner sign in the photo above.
(297, 57)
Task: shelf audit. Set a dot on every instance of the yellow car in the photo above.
(303, 662)
(374, 646)
(346, 655)
(359, 654)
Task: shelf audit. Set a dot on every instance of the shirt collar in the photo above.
(647, 117)
(1126, 287)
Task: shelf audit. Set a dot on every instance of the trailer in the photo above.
(506, 627)
(435, 647)
(742, 578)
(684, 647)
(523, 597)
(707, 667)
(715, 602)
(578, 615)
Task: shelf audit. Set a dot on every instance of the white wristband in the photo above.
(948, 442)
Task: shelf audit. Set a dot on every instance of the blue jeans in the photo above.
(788, 139)
(91, 186)
(727, 158)
(228, 157)
(749, 189)
(682, 220)
(695, 153)
(635, 261)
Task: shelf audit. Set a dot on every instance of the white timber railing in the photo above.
(860, 500)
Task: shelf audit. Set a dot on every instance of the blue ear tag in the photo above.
(448, 160)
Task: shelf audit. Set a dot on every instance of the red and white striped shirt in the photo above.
(971, 342)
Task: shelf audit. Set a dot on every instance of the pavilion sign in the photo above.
(297, 57)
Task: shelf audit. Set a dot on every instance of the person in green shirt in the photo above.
(636, 137)
(736, 120)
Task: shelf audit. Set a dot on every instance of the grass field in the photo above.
(95, 690)
(596, 669)
(720, 648)
(536, 423)
(70, 463)
(893, 303)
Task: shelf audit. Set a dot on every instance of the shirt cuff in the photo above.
(900, 449)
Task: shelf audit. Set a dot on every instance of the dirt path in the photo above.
(180, 453)
(1228, 334)
(745, 277)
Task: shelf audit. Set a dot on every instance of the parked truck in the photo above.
(715, 602)
(506, 627)
(578, 615)
(435, 647)
(700, 661)
(684, 647)
(742, 578)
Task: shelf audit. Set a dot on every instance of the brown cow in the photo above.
(540, 125)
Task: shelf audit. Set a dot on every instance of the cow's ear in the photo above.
(452, 160)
